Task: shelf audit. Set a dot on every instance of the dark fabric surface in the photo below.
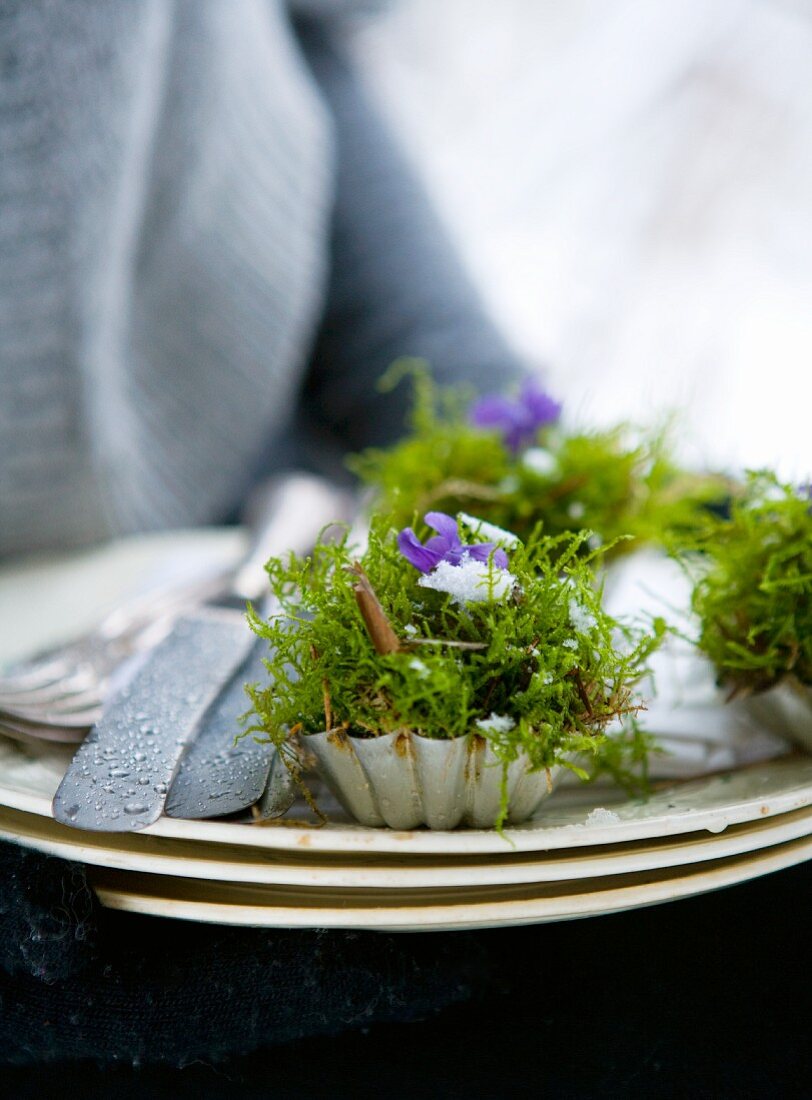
(702, 998)
(79, 982)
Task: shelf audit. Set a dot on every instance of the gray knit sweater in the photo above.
(209, 249)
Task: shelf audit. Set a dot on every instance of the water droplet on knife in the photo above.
(135, 750)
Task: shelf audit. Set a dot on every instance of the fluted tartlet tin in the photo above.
(404, 780)
(785, 710)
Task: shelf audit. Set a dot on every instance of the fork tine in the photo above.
(89, 699)
(69, 684)
(78, 720)
(63, 692)
(63, 706)
(33, 678)
(32, 733)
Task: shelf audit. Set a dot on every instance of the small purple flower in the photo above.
(446, 545)
(518, 420)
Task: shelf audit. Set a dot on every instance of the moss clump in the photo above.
(532, 662)
(615, 482)
(753, 592)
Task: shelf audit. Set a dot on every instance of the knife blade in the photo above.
(120, 774)
(216, 776)
(119, 778)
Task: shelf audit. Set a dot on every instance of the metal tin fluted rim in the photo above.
(404, 779)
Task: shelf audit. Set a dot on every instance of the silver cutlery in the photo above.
(65, 686)
(120, 777)
(216, 776)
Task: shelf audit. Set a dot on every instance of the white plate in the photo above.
(435, 910)
(28, 780)
(235, 863)
(29, 777)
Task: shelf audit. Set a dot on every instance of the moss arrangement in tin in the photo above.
(454, 628)
(753, 587)
(510, 460)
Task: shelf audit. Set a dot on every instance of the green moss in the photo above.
(546, 656)
(619, 481)
(753, 590)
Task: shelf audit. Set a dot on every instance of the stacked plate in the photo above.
(590, 851)
(575, 860)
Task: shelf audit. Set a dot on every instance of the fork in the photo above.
(65, 685)
(59, 694)
(32, 733)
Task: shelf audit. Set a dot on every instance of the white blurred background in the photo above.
(630, 182)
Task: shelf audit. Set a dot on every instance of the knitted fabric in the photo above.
(168, 182)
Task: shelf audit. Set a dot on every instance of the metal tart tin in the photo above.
(404, 779)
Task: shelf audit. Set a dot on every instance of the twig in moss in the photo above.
(378, 626)
(582, 692)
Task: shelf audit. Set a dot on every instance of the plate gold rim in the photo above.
(181, 898)
(142, 853)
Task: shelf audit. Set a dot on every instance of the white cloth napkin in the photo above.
(696, 729)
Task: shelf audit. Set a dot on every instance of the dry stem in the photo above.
(378, 626)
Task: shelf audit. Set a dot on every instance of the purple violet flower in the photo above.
(446, 545)
(517, 419)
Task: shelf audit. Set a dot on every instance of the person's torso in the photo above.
(165, 176)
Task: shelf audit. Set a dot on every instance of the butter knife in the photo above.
(217, 777)
(120, 776)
